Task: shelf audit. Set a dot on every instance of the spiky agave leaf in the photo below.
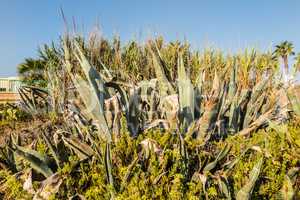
(134, 112)
(85, 94)
(126, 177)
(254, 111)
(257, 92)
(108, 169)
(215, 90)
(36, 160)
(149, 96)
(233, 83)
(56, 88)
(48, 187)
(164, 84)
(218, 122)
(182, 148)
(82, 150)
(287, 191)
(262, 119)
(186, 95)
(234, 113)
(198, 93)
(169, 108)
(55, 153)
(210, 119)
(122, 92)
(130, 103)
(245, 192)
(109, 75)
(237, 109)
(224, 187)
(113, 113)
(7, 157)
(96, 85)
(231, 98)
(219, 157)
(295, 103)
(150, 145)
(228, 166)
(34, 99)
(158, 178)
(157, 123)
(210, 110)
(91, 92)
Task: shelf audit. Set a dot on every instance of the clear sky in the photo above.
(227, 24)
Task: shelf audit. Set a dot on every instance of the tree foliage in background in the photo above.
(132, 60)
(284, 50)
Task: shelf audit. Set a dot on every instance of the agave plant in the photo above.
(227, 108)
(34, 100)
(190, 110)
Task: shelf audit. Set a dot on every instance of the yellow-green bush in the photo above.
(170, 175)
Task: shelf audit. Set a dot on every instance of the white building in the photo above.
(9, 85)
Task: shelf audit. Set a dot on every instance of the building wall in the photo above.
(8, 97)
(9, 90)
(9, 85)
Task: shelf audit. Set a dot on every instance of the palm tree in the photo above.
(31, 72)
(50, 54)
(283, 50)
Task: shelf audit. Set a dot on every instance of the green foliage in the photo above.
(167, 175)
(32, 72)
(132, 61)
(245, 192)
(11, 187)
(281, 152)
(9, 114)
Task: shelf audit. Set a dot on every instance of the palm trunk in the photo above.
(286, 66)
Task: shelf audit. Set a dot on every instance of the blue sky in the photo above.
(230, 25)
